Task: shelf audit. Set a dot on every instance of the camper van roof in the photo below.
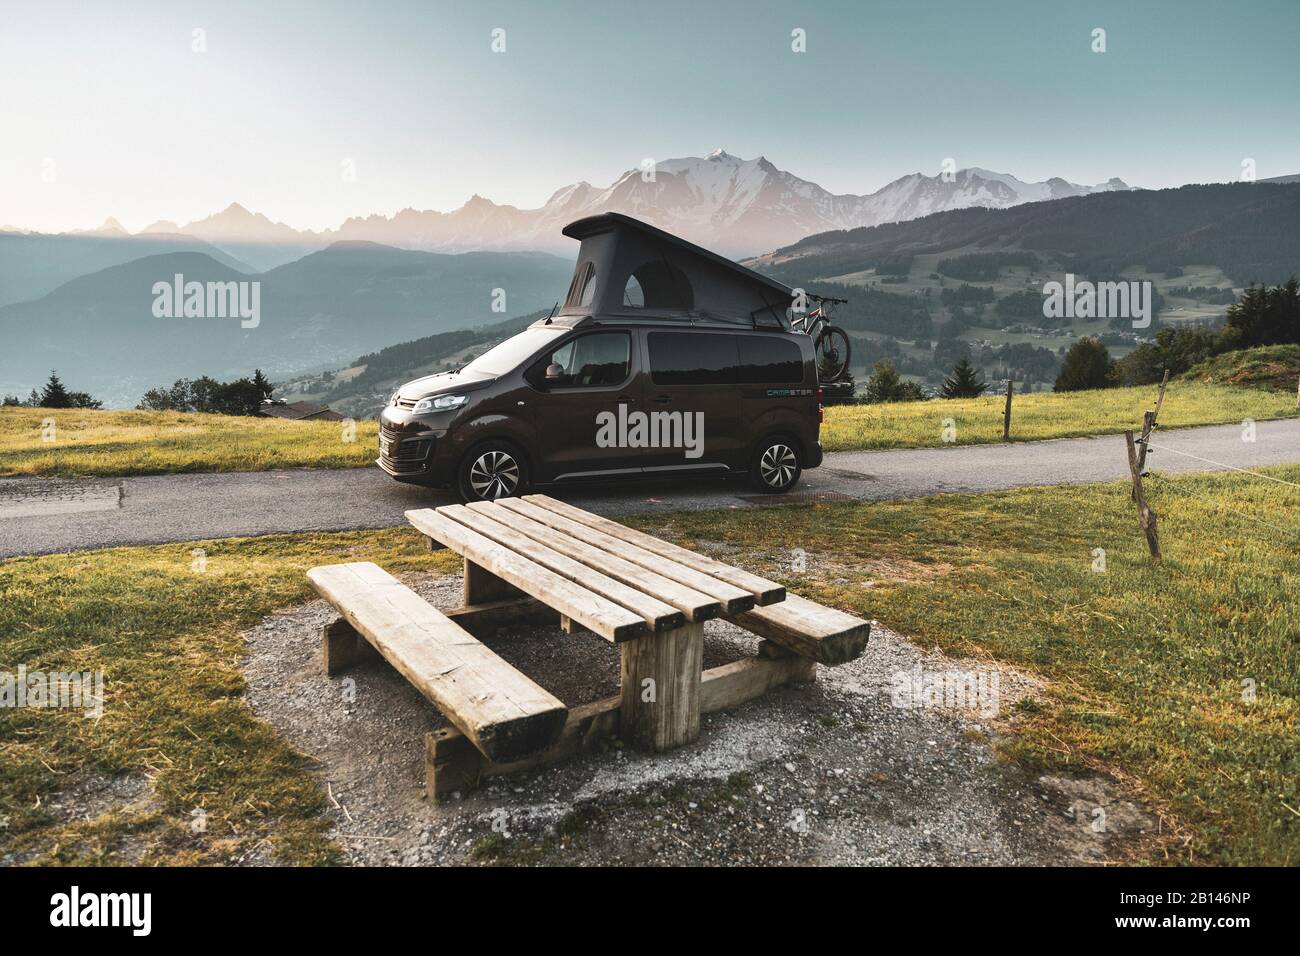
(581, 229)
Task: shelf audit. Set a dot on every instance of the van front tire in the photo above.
(776, 466)
(495, 469)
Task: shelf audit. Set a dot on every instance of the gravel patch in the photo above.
(887, 760)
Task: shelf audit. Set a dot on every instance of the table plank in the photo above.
(612, 621)
(766, 592)
(657, 614)
(733, 599)
(694, 604)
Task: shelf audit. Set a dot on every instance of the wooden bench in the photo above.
(452, 764)
(501, 711)
(812, 630)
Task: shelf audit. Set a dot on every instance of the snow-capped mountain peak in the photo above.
(737, 206)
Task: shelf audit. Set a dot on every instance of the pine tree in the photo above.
(54, 394)
(965, 381)
(886, 385)
(1087, 365)
(262, 384)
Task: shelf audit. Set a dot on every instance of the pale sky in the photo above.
(107, 110)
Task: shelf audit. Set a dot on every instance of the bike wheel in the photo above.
(833, 353)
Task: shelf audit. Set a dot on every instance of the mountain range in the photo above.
(82, 302)
(100, 331)
(734, 206)
(1247, 230)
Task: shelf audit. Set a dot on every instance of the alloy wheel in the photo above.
(777, 465)
(494, 474)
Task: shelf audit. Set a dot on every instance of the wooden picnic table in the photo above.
(536, 559)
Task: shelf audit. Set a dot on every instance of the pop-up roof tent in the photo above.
(629, 268)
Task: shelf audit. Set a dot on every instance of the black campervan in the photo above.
(665, 360)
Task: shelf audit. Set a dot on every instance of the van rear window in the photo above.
(769, 360)
(693, 358)
(703, 358)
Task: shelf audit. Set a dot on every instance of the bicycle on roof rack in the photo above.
(830, 341)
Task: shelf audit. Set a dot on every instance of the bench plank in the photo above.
(733, 599)
(505, 714)
(599, 614)
(695, 605)
(811, 630)
(766, 592)
(657, 614)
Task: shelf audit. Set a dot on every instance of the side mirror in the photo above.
(554, 372)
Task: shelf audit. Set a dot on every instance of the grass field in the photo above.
(1182, 677)
(1148, 667)
(167, 638)
(149, 443)
(1039, 415)
(1274, 367)
(154, 443)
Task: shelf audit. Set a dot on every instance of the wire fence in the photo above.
(1165, 483)
(1224, 465)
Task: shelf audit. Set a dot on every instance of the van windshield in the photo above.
(507, 355)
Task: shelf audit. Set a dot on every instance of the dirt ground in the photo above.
(834, 772)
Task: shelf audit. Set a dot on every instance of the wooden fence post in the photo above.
(1146, 515)
(1006, 415)
(1149, 425)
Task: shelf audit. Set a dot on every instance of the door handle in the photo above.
(628, 399)
(663, 399)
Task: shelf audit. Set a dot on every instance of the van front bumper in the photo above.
(409, 450)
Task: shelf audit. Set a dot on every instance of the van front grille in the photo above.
(400, 454)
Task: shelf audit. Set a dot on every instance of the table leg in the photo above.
(661, 688)
(483, 587)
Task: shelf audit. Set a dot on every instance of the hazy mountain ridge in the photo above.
(732, 205)
(34, 264)
(1246, 229)
(351, 298)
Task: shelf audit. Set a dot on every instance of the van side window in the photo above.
(770, 360)
(693, 358)
(588, 361)
(633, 296)
(658, 285)
(583, 287)
(588, 288)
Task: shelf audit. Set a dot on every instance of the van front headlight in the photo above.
(440, 403)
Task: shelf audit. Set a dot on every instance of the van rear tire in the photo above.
(776, 466)
(492, 470)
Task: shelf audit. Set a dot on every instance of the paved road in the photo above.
(43, 516)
